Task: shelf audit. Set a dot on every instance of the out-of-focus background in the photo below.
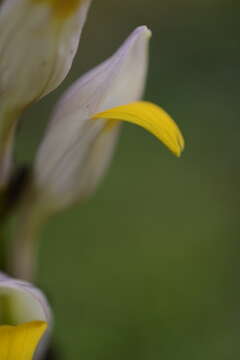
(149, 268)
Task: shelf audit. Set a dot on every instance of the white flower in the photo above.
(24, 317)
(82, 133)
(38, 42)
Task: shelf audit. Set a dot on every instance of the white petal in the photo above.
(25, 304)
(76, 150)
(36, 51)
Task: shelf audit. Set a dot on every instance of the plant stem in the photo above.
(23, 248)
(7, 137)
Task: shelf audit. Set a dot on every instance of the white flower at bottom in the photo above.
(25, 320)
(82, 133)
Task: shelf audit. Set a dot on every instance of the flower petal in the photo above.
(26, 302)
(76, 151)
(36, 54)
(152, 118)
(20, 342)
(36, 51)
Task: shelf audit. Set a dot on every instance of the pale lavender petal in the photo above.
(77, 150)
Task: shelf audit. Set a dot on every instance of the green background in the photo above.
(149, 268)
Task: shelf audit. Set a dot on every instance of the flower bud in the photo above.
(83, 130)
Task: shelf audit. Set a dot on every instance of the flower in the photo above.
(25, 320)
(84, 128)
(38, 42)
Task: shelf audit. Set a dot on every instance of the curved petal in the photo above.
(76, 150)
(152, 118)
(36, 50)
(36, 53)
(20, 342)
(26, 303)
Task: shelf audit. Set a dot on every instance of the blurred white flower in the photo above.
(24, 318)
(38, 42)
(81, 135)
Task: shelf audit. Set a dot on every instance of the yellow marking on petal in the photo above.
(20, 342)
(62, 8)
(152, 118)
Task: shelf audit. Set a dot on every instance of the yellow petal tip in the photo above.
(21, 341)
(153, 119)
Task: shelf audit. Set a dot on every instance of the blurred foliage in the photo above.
(149, 267)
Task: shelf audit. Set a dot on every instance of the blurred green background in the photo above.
(149, 268)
